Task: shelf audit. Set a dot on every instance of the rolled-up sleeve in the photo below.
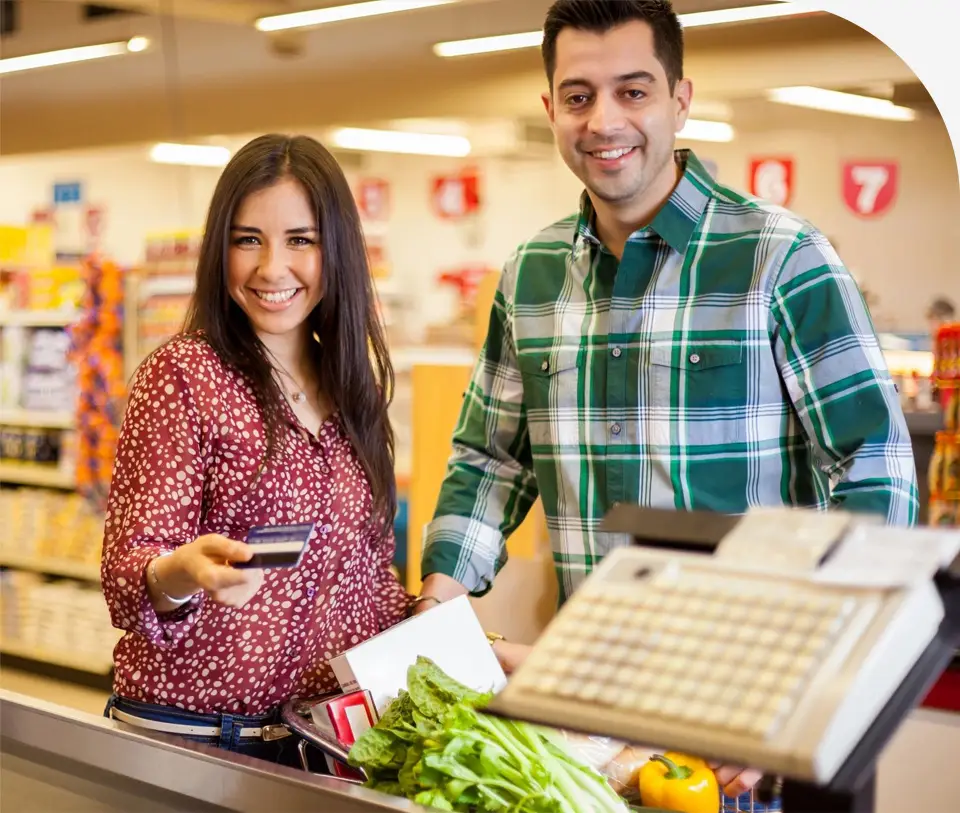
(833, 368)
(490, 485)
(155, 501)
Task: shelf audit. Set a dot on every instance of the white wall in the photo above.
(905, 258)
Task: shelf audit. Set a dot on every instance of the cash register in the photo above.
(790, 640)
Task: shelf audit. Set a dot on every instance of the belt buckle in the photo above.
(277, 731)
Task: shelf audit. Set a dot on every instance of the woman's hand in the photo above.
(204, 565)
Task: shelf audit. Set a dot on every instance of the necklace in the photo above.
(298, 396)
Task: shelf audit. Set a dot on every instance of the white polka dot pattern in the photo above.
(188, 455)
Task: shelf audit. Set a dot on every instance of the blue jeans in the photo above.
(281, 752)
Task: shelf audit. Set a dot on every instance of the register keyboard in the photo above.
(776, 670)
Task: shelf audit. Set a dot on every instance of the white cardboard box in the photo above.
(449, 634)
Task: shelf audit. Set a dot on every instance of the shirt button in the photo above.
(617, 352)
(615, 429)
(545, 365)
(694, 358)
(325, 529)
(311, 592)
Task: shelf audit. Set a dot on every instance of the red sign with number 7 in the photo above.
(870, 187)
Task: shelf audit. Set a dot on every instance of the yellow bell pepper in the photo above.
(679, 782)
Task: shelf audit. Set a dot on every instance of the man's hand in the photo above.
(439, 587)
(511, 655)
(733, 780)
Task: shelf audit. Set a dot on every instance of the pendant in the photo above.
(299, 397)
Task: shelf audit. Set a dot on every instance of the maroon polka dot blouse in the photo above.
(190, 447)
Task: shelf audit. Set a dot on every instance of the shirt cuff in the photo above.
(465, 550)
(132, 610)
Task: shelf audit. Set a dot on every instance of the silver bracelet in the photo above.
(152, 569)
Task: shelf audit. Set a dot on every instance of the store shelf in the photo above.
(37, 419)
(404, 358)
(39, 318)
(67, 660)
(70, 569)
(36, 474)
(173, 285)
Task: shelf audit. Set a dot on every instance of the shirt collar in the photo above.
(677, 218)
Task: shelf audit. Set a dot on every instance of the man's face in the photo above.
(613, 115)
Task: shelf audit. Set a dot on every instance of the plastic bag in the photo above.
(614, 760)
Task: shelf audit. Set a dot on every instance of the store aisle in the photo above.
(71, 695)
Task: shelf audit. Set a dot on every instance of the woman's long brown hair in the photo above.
(351, 358)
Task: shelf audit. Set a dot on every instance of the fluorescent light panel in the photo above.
(533, 39)
(335, 14)
(195, 155)
(834, 101)
(700, 130)
(351, 138)
(66, 56)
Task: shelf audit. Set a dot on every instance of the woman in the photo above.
(270, 408)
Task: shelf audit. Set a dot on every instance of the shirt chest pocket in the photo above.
(706, 376)
(553, 394)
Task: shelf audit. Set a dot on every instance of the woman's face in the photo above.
(274, 264)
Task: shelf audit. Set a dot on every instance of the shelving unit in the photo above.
(37, 419)
(36, 474)
(50, 566)
(38, 318)
(79, 663)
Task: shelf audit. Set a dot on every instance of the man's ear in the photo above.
(683, 96)
(547, 100)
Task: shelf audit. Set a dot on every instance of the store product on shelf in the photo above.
(172, 252)
(42, 525)
(34, 610)
(97, 351)
(944, 473)
(49, 379)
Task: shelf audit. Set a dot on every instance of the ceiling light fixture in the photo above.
(533, 39)
(701, 130)
(66, 56)
(194, 155)
(834, 101)
(335, 14)
(351, 138)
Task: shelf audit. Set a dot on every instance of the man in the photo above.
(673, 344)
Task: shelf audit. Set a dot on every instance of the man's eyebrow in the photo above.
(576, 81)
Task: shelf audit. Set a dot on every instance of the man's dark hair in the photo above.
(602, 15)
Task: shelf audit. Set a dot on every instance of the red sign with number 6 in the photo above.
(870, 187)
(772, 179)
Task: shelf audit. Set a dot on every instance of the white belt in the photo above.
(213, 731)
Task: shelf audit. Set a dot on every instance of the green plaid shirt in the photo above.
(726, 361)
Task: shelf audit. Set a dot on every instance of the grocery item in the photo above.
(679, 782)
(434, 745)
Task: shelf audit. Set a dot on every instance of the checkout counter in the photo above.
(55, 759)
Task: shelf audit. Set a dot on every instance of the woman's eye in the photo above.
(246, 240)
(301, 241)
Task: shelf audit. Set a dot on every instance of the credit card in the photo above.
(276, 545)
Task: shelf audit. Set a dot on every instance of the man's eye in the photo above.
(635, 94)
(577, 99)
